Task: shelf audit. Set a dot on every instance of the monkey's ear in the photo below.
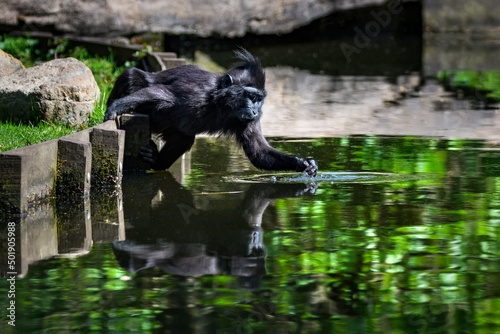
(226, 81)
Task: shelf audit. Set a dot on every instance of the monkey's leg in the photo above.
(176, 144)
(144, 101)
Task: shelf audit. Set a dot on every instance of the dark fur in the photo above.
(185, 101)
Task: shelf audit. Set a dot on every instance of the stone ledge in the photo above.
(29, 174)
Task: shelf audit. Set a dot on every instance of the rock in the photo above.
(9, 64)
(230, 18)
(462, 15)
(59, 91)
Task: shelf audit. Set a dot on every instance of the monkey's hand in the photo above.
(149, 153)
(309, 188)
(308, 165)
(110, 113)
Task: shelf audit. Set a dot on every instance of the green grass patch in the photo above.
(13, 135)
(482, 81)
(23, 49)
(105, 72)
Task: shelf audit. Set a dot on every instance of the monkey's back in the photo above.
(193, 90)
(188, 79)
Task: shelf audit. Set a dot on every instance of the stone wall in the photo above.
(230, 18)
(461, 15)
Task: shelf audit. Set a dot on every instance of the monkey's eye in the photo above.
(255, 98)
(226, 81)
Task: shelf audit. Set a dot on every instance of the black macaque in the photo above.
(185, 101)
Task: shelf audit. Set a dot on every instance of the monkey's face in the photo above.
(251, 109)
(242, 97)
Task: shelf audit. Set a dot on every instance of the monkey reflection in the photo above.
(220, 234)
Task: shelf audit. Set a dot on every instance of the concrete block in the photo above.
(173, 62)
(83, 135)
(41, 164)
(107, 156)
(13, 187)
(108, 125)
(29, 173)
(161, 61)
(73, 168)
(166, 54)
(137, 134)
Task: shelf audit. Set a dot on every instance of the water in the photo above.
(398, 233)
(332, 177)
(394, 235)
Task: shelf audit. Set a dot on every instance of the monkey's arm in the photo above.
(264, 156)
(143, 101)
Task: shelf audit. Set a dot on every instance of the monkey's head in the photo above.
(241, 90)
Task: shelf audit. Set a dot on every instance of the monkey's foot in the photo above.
(149, 153)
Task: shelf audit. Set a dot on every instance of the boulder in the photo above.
(9, 64)
(230, 18)
(59, 91)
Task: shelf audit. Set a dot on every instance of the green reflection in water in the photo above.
(483, 84)
(419, 255)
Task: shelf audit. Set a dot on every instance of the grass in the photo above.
(105, 70)
(14, 136)
(481, 81)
